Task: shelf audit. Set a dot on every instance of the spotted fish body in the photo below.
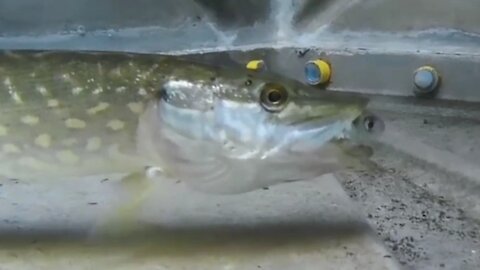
(81, 113)
(67, 114)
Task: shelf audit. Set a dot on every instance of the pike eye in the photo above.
(273, 98)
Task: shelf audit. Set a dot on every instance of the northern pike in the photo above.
(218, 129)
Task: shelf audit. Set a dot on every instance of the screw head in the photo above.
(426, 81)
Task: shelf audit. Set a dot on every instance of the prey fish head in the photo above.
(234, 132)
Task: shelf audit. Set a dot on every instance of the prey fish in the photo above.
(219, 130)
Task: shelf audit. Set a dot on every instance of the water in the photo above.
(423, 206)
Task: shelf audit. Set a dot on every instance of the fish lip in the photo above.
(331, 106)
(313, 123)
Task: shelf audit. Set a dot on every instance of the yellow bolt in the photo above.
(317, 72)
(255, 64)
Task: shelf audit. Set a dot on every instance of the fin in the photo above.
(124, 219)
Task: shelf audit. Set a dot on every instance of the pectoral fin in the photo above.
(138, 187)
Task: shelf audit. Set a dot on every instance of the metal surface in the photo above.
(372, 47)
(371, 73)
(423, 208)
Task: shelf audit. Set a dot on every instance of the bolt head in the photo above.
(317, 72)
(426, 81)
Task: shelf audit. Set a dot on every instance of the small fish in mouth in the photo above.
(219, 130)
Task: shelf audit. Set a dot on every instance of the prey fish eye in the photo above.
(369, 123)
(273, 98)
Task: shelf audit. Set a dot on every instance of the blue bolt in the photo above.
(426, 80)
